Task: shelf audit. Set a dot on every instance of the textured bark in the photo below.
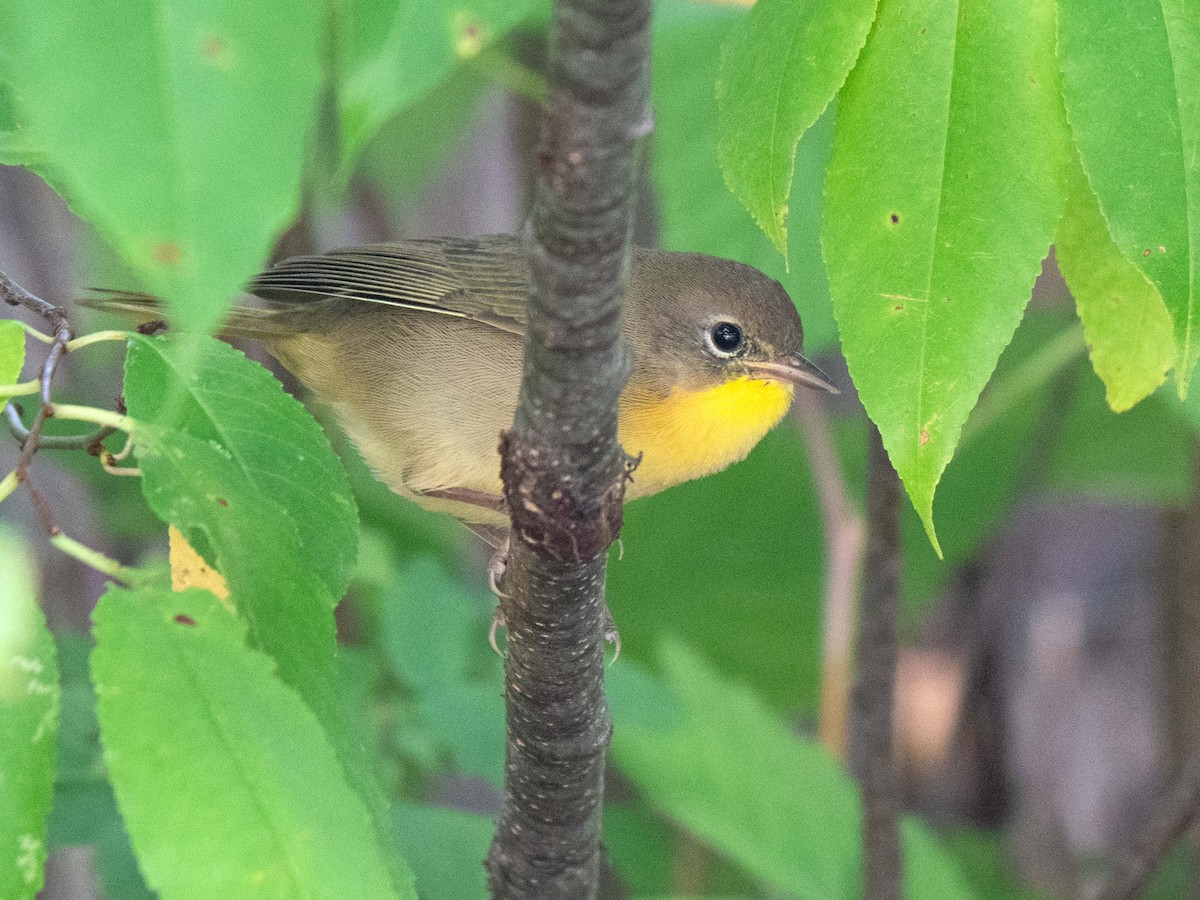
(563, 471)
(875, 686)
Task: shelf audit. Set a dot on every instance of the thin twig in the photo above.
(845, 536)
(871, 750)
(1175, 813)
(53, 442)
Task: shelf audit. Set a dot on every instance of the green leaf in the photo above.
(1129, 332)
(732, 772)
(1138, 139)
(942, 196)
(29, 697)
(12, 353)
(211, 482)
(435, 635)
(202, 743)
(781, 65)
(207, 389)
(393, 52)
(698, 212)
(178, 129)
(446, 848)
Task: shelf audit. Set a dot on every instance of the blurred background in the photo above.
(1047, 680)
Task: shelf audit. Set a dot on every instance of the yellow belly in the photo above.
(690, 434)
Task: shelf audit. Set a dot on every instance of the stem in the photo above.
(514, 75)
(93, 558)
(95, 338)
(105, 417)
(563, 471)
(875, 687)
(8, 485)
(20, 390)
(37, 335)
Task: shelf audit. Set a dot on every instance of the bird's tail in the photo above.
(242, 320)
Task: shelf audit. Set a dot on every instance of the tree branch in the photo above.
(563, 471)
(875, 686)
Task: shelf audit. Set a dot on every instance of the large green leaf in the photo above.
(697, 211)
(207, 389)
(207, 481)
(1131, 83)
(29, 697)
(714, 758)
(781, 66)
(393, 52)
(1128, 328)
(226, 780)
(12, 353)
(176, 127)
(942, 196)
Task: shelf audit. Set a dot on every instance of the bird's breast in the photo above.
(689, 434)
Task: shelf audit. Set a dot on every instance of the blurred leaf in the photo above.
(1140, 456)
(733, 564)
(734, 774)
(446, 848)
(985, 862)
(641, 847)
(415, 147)
(29, 702)
(781, 65)
(211, 391)
(15, 147)
(393, 52)
(202, 740)
(944, 190)
(178, 129)
(1137, 136)
(698, 212)
(1128, 328)
(12, 353)
(435, 636)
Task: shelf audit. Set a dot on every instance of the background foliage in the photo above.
(909, 165)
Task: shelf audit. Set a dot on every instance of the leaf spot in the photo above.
(216, 51)
(223, 503)
(468, 36)
(182, 619)
(1146, 252)
(1162, 249)
(170, 253)
(28, 859)
(924, 438)
(895, 219)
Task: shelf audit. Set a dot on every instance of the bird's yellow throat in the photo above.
(689, 434)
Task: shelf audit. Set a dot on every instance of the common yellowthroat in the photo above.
(417, 346)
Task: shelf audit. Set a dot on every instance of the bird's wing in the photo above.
(484, 279)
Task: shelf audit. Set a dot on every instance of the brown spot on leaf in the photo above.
(899, 307)
(1146, 252)
(182, 619)
(924, 436)
(223, 503)
(895, 219)
(469, 36)
(168, 253)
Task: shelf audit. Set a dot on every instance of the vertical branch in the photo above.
(563, 471)
(875, 686)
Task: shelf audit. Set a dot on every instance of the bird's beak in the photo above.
(794, 369)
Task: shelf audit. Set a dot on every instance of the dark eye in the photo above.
(726, 337)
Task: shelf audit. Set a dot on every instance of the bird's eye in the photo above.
(726, 338)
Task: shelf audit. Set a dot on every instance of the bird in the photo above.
(417, 345)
